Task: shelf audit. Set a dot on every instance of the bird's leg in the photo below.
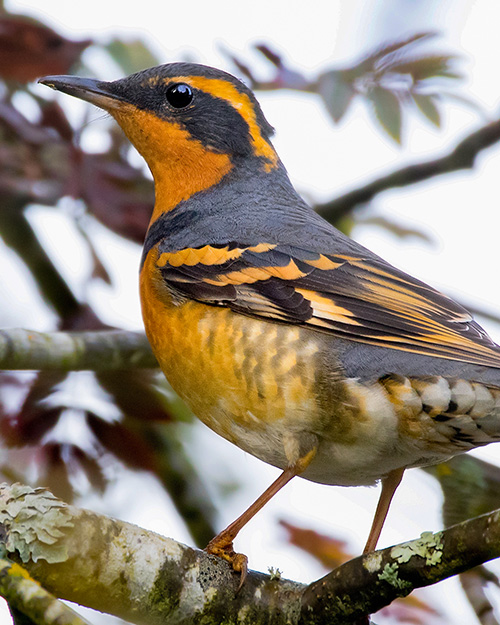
(222, 544)
(389, 486)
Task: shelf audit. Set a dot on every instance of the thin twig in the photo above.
(462, 156)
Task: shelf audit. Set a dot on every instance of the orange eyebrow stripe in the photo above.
(242, 103)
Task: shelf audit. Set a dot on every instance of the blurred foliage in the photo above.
(392, 80)
(29, 49)
(131, 56)
(471, 487)
(128, 418)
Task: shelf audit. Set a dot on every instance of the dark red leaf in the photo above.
(84, 319)
(54, 470)
(98, 269)
(135, 394)
(29, 49)
(243, 68)
(331, 552)
(20, 127)
(54, 117)
(270, 55)
(117, 194)
(123, 442)
(60, 462)
(35, 418)
(89, 465)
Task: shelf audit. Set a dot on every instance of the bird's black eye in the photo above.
(179, 95)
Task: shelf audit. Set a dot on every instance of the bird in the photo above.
(283, 335)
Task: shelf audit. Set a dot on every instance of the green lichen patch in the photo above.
(274, 574)
(390, 574)
(428, 546)
(34, 522)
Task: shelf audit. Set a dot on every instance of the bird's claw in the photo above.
(238, 561)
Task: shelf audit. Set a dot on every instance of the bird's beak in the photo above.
(95, 91)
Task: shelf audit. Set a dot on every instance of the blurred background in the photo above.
(370, 100)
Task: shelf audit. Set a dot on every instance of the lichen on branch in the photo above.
(143, 577)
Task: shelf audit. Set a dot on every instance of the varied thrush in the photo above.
(283, 335)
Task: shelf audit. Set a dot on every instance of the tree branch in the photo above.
(121, 569)
(104, 350)
(26, 595)
(368, 583)
(138, 575)
(461, 157)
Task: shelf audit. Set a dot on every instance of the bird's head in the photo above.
(191, 123)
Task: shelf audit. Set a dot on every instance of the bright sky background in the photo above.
(460, 212)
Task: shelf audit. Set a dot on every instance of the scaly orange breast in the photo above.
(247, 379)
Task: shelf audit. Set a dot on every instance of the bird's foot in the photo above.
(222, 547)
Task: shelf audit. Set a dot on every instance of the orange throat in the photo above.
(181, 165)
